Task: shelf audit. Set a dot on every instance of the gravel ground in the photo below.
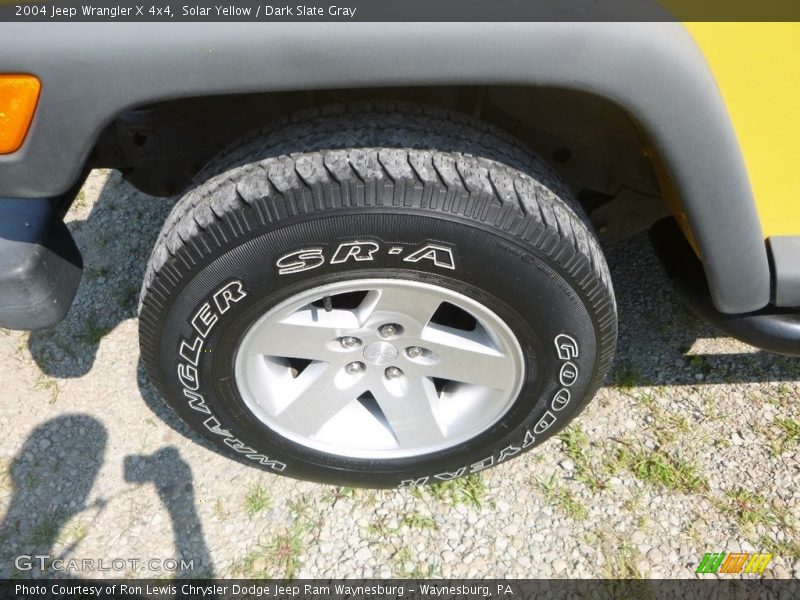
(692, 447)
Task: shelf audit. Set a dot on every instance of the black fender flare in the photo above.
(654, 71)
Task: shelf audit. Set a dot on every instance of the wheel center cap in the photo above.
(380, 353)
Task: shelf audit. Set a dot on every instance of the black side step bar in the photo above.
(773, 329)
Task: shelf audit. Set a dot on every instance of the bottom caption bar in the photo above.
(220, 589)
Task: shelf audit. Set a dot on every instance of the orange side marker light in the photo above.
(18, 97)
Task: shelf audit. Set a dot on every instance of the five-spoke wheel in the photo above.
(379, 368)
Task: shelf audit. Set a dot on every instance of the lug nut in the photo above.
(414, 352)
(354, 368)
(349, 342)
(393, 373)
(389, 330)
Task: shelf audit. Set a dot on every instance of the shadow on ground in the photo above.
(658, 335)
(52, 478)
(172, 478)
(116, 240)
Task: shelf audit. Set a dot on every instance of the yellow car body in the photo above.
(757, 69)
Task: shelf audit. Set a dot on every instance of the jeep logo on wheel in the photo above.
(306, 259)
(380, 353)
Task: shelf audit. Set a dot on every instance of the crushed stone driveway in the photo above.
(693, 446)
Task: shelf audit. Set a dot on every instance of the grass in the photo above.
(80, 200)
(74, 535)
(338, 493)
(575, 446)
(786, 549)
(427, 572)
(790, 430)
(416, 520)
(648, 401)
(700, 363)
(146, 443)
(280, 556)
(6, 480)
(669, 426)
(749, 509)
(677, 422)
(626, 377)
(620, 570)
(220, 511)
(256, 500)
(300, 507)
(622, 565)
(657, 468)
(277, 558)
(465, 490)
(93, 332)
(50, 385)
(417, 493)
(563, 499)
(787, 435)
(63, 345)
(126, 295)
(781, 395)
(31, 479)
(632, 504)
(46, 531)
(306, 516)
(97, 271)
(380, 530)
(403, 558)
(788, 364)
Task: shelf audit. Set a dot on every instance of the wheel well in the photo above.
(595, 145)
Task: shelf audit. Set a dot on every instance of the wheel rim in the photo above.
(379, 368)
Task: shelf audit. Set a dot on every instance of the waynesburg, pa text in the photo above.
(274, 590)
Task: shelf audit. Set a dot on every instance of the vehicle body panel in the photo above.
(757, 68)
(654, 71)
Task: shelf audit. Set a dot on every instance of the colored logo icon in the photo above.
(733, 563)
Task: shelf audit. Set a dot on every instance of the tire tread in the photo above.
(350, 150)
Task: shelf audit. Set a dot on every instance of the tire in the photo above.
(337, 223)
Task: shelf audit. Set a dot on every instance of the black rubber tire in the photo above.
(404, 175)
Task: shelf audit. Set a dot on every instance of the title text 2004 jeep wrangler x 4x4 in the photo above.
(389, 275)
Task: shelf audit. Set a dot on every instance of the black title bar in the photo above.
(399, 10)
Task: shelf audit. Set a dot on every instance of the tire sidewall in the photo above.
(520, 283)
